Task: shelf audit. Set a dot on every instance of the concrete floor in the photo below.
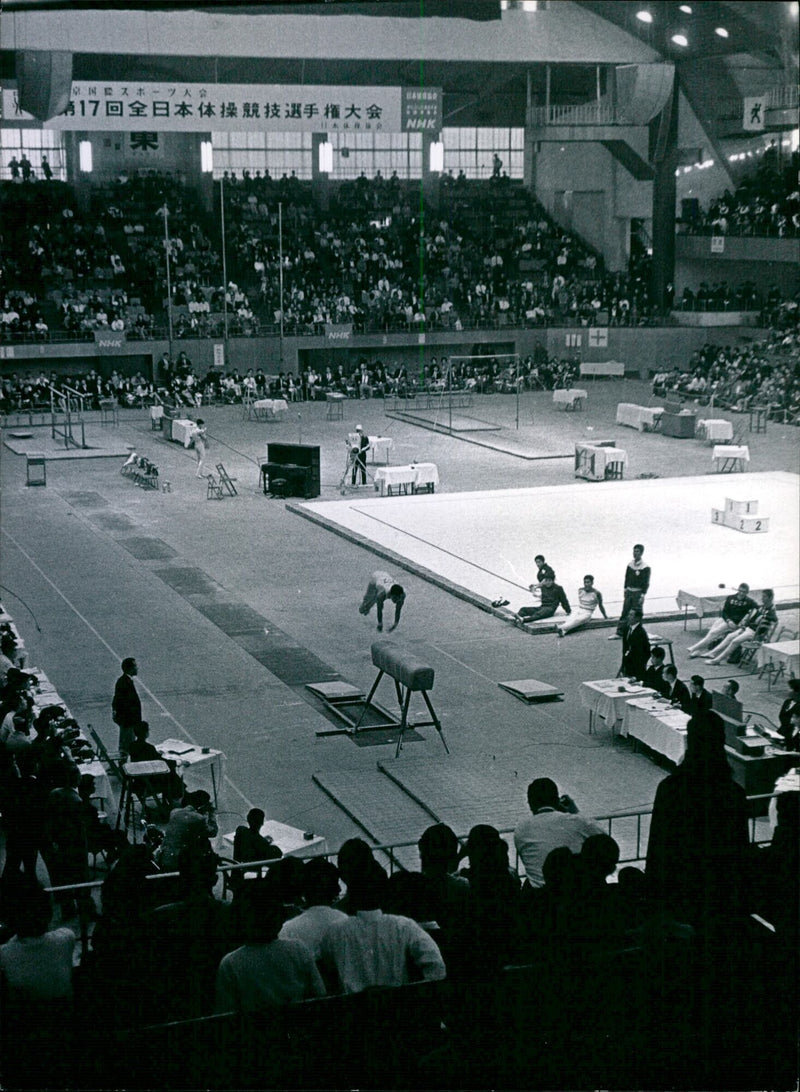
(94, 569)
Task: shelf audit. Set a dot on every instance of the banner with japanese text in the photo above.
(200, 107)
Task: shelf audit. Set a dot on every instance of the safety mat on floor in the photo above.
(148, 549)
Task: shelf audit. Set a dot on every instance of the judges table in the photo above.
(289, 840)
(729, 457)
(607, 698)
(782, 657)
(644, 418)
(267, 409)
(716, 429)
(46, 694)
(655, 723)
(571, 399)
(596, 462)
(199, 767)
(407, 479)
(603, 367)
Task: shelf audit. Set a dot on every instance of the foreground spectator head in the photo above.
(542, 793)
(28, 909)
(558, 868)
(705, 747)
(262, 913)
(255, 819)
(438, 849)
(599, 856)
(320, 882)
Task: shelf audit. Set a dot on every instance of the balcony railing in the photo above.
(588, 113)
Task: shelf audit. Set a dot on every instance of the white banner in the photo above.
(717, 244)
(200, 107)
(754, 110)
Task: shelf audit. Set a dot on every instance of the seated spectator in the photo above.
(675, 690)
(37, 993)
(141, 750)
(554, 821)
(248, 842)
(354, 860)
(553, 597)
(486, 937)
(789, 707)
(654, 672)
(371, 948)
(189, 827)
(320, 889)
(268, 969)
(754, 627)
(180, 944)
(589, 600)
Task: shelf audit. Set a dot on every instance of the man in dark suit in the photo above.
(635, 647)
(654, 672)
(676, 691)
(126, 707)
(700, 701)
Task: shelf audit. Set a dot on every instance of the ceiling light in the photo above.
(680, 39)
(644, 16)
(686, 9)
(721, 31)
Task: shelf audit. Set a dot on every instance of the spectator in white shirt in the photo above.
(376, 949)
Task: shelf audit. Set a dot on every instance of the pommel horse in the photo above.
(409, 674)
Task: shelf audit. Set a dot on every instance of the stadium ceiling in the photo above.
(758, 51)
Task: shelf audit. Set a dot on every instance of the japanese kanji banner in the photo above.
(193, 107)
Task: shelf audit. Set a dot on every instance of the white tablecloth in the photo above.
(659, 727)
(591, 461)
(641, 417)
(790, 782)
(180, 429)
(603, 367)
(569, 397)
(270, 407)
(607, 698)
(379, 448)
(785, 652)
(406, 478)
(290, 841)
(722, 452)
(200, 769)
(716, 429)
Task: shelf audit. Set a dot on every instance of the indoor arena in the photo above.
(399, 640)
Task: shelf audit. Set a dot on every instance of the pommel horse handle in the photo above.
(409, 673)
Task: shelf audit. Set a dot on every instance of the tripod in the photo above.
(353, 466)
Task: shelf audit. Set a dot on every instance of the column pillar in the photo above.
(665, 163)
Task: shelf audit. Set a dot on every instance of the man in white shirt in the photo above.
(320, 890)
(371, 948)
(554, 822)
